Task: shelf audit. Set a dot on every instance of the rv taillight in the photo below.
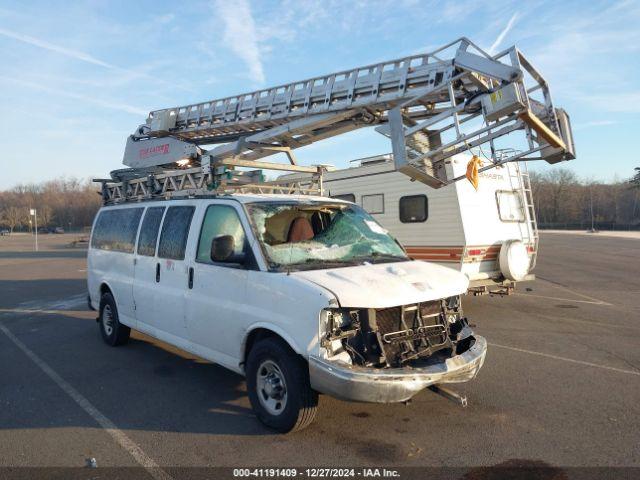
(475, 251)
(530, 249)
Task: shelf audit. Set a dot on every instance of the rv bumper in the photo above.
(362, 384)
(497, 280)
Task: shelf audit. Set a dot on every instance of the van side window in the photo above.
(175, 231)
(219, 220)
(373, 203)
(149, 231)
(414, 208)
(116, 229)
(348, 197)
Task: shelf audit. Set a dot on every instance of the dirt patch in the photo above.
(361, 414)
(378, 451)
(517, 469)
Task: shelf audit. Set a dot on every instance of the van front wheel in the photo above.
(113, 332)
(279, 388)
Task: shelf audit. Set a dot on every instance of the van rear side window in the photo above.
(175, 231)
(149, 231)
(116, 230)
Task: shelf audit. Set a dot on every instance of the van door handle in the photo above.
(190, 277)
(157, 272)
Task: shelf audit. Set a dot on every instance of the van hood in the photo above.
(386, 285)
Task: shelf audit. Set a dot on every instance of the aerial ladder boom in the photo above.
(431, 106)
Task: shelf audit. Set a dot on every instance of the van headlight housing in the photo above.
(338, 318)
(452, 311)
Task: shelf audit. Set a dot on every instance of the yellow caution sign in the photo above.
(472, 171)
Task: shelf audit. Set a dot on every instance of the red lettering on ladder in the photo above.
(154, 151)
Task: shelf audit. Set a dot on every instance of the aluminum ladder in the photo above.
(521, 182)
(431, 106)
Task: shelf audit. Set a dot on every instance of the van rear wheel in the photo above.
(279, 387)
(113, 332)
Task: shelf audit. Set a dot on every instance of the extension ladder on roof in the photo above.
(431, 106)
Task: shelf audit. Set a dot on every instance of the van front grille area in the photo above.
(412, 331)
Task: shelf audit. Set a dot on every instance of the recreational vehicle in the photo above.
(489, 234)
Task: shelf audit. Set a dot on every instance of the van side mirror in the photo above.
(222, 248)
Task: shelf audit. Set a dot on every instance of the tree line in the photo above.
(69, 203)
(562, 200)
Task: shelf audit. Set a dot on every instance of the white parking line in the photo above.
(59, 304)
(118, 435)
(555, 357)
(562, 287)
(597, 302)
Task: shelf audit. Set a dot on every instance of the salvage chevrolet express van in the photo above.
(301, 295)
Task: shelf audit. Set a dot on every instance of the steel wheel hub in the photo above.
(107, 320)
(272, 388)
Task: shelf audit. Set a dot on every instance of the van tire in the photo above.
(113, 332)
(301, 404)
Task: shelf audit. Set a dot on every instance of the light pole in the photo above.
(34, 213)
(593, 229)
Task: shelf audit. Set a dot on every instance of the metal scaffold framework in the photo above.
(431, 106)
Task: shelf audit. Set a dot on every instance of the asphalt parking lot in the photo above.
(560, 385)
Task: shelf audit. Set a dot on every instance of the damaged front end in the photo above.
(389, 354)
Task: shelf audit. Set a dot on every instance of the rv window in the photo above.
(373, 203)
(219, 220)
(116, 230)
(510, 207)
(149, 231)
(347, 197)
(414, 208)
(175, 231)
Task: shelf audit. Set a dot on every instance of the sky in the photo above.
(78, 77)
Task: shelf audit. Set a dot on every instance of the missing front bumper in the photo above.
(362, 384)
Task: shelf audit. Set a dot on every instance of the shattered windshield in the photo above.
(321, 235)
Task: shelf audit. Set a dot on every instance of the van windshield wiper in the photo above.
(311, 262)
(375, 257)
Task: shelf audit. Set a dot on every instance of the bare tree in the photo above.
(70, 203)
(13, 217)
(45, 215)
(561, 198)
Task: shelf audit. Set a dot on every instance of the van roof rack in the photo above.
(431, 106)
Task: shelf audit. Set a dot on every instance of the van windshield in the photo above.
(319, 235)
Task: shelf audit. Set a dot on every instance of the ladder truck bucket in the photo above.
(482, 102)
(559, 153)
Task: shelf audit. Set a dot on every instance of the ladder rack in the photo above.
(431, 106)
(198, 181)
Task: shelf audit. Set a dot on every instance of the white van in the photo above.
(302, 295)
